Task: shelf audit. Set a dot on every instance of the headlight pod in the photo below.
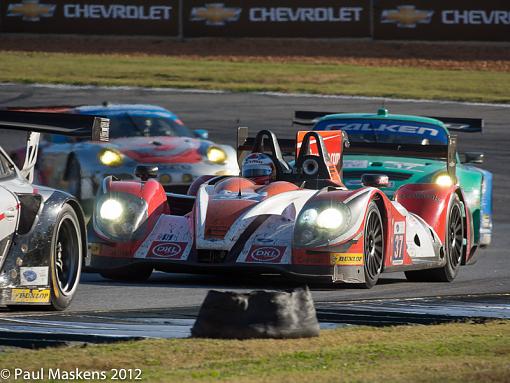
(317, 224)
(443, 179)
(119, 215)
(110, 157)
(216, 155)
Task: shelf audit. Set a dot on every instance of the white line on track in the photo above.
(274, 94)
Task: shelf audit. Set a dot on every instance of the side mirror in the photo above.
(201, 133)
(145, 172)
(473, 158)
(375, 180)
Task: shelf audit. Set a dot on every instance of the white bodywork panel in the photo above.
(8, 212)
(288, 204)
(171, 239)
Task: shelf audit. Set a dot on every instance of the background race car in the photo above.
(42, 230)
(402, 147)
(140, 134)
(294, 220)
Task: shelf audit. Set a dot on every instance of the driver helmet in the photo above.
(259, 167)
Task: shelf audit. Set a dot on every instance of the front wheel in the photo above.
(373, 248)
(66, 258)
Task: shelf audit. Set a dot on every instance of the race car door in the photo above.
(8, 207)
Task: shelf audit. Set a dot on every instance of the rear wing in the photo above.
(35, 123)
(453, 124)
(76, 125)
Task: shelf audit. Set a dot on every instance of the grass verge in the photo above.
(443, 353)
(254, 75)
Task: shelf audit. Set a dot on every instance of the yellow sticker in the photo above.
(95, 248)
(30, 295)
(347, 259)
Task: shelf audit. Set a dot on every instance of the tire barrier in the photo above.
(258, 314)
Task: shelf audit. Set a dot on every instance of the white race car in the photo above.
(42, 230)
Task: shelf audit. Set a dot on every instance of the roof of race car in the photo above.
(132, 109)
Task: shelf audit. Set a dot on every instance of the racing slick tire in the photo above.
(132, 273)
(454, 248)
(373, 245)
(66, 258)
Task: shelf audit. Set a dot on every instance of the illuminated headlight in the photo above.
(110, 157)
(111, 210)
(216, 155)
(320, 223)
(330, 219)
(443, 180)
(118, 216)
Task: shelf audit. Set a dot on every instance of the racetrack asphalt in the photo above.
(221, 113)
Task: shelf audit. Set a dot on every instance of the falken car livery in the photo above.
(304, 223)
(379, 144)
(42, 230)
(139, 135)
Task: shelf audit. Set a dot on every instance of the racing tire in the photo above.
(133, 273)
(74, 178)
(454, 248)
(373, 246)
(66, 258)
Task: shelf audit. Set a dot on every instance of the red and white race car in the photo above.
(302, 223)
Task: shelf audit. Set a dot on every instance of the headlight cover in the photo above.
(119, 215)
(319, 223)
(216, 155)
(110, 157)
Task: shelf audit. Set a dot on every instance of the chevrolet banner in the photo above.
(283, 18)
(442, 20)
(90, 17)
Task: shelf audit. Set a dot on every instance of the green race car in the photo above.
(403, 148)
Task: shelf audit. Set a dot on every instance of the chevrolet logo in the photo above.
(406, 16)
(215, 14)
(31, 10)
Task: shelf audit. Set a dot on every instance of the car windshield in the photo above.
(387, 131)
(129, 125)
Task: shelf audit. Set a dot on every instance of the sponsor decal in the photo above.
(266, 254)
(385, 128)
(117, 11)
(403, 165)
(167, 250)
(349, 164)
(215, 14)
(30, 295)
(420, 195)
(406, 16)
(33, 276)
(347, 259)
(397, 257)
(475, 17)
(31, 10)
(95, 249)
(317, 15)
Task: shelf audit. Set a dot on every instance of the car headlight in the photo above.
(111, 210)
(443, 180)
(110, 157)
(319, 223)
(118, 216)
(216, 155)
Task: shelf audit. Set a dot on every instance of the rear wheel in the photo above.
(66, 258)
(133, 273)
(373, 245)
(453, 246)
